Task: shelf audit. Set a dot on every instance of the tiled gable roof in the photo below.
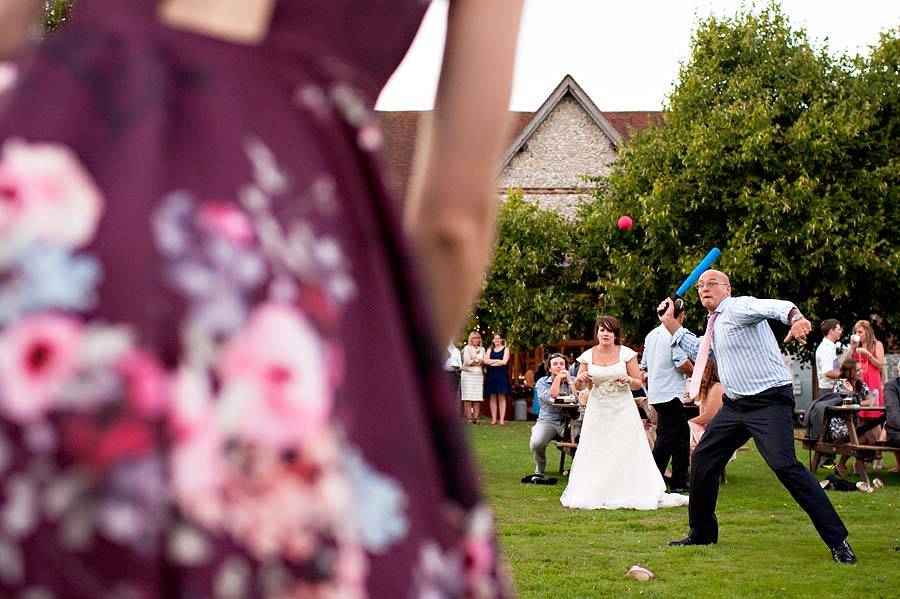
(400, 128)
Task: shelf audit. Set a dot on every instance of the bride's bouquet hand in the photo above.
(623, 380)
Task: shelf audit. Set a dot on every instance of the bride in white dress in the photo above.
(613, 467)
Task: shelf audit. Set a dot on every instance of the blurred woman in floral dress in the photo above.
(199, 261)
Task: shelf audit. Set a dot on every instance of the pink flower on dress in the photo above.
(479, 552)
(198, 467)
(46, 195)
(147, 383)
(37, 355)
(198, 463)
(227, 221)
(276, 388)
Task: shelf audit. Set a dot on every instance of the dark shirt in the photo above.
(892, 411)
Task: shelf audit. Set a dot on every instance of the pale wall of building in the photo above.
(566, 146)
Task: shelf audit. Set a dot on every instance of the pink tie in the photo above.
(702, 358)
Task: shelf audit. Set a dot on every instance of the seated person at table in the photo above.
(891, 434)
(850, 384)
(549, 425)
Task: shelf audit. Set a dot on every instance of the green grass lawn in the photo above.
(767, 546)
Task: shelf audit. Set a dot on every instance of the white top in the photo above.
(471, 352)
(625, 354)
(454, 358)
(661, 360)
(826, 360)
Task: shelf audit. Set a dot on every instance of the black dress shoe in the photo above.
(680, 490)
(842, 554)
(689, 540)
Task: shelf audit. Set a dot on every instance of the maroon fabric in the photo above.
(264, 428)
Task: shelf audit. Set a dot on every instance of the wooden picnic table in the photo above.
(568, 444)
(849, 444)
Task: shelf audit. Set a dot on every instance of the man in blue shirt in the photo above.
(549, 424)
(666, 366)
(758, 403)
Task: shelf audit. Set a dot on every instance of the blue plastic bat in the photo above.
(701, 268)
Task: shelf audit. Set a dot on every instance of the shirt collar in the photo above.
(721, 307)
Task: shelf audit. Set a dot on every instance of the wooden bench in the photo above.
(848, 445)
(565, 448)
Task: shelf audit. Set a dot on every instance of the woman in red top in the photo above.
(870, 353)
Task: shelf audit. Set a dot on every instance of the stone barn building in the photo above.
(550, 150)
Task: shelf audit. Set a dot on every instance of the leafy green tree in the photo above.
(56, 12)
(875, 160)
(531, 295)
(763, 153)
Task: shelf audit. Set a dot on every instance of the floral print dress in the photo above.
(198, 260)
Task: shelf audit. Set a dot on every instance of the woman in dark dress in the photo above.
(496, 378)
(198, 258)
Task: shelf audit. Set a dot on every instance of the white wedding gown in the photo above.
(613, 467)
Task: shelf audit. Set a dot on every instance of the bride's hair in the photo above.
(611, 324)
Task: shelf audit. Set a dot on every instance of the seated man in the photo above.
(891, 433)
(549, 425)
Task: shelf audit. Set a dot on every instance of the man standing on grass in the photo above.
(758, 404)
(665, 367)
(827, 367)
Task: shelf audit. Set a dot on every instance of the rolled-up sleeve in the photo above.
(750, 310)
(687, 341)
(679, 356)
(543, 391)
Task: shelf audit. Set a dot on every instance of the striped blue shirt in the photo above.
(743, 345)
(549, 413)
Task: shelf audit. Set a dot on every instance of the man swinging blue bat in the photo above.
(758, 403)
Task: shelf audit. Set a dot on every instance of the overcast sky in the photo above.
(624, 53)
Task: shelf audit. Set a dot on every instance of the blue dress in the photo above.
(496, 378)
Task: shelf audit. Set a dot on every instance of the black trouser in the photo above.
(453, 380)
(768, 419)
(673, 441)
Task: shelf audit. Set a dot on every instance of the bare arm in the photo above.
(634, 373)
(710, 406)
(452, 201)
(238, 21)
(18, 18)
(558, 380)
(876, 359)
(687, 368)
(489, 361)
(583, 379)
(505, 359)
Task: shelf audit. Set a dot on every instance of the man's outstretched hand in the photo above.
(799, 330)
